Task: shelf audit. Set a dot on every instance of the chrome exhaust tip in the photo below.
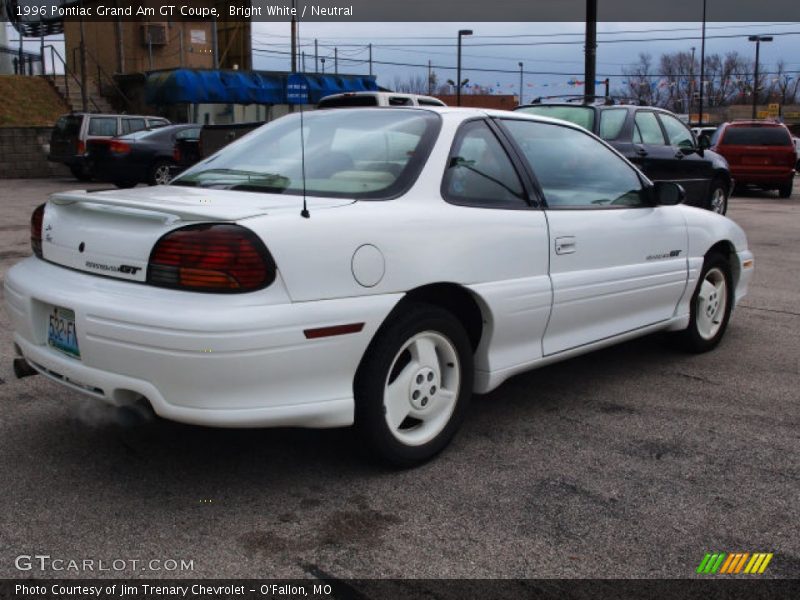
(22, 369)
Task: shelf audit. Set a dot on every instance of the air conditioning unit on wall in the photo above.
(155, 34)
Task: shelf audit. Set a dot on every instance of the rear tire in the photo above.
(413, 386)
(718, 197)
(160, 173)
(711, 305)
(786, 189)
(79, 173)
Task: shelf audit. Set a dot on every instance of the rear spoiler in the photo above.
(202, 209)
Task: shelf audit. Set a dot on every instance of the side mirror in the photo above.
(703, 142)
(667, 193)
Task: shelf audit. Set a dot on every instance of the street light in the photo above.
(757, 39)
(520, 83)
(461, 33)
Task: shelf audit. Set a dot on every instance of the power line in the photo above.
(516, 71)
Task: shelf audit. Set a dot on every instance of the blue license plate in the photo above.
(61, 332)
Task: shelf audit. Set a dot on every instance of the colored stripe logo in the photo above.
(734, 563)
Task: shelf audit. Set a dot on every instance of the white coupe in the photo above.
(366, 266)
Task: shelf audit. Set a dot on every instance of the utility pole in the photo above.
(303, 54)
(84, 100)
(370, 60)
(294, 39)
(520, 83)
(215, 42)
(336, 61)
(702, 67)
(590, 48)
(691, 85)
(430, 79)
(316, 56)
(323, 65)
(461, 33)
(757, 39)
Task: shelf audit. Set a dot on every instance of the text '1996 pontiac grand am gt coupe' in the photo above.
(376, 273)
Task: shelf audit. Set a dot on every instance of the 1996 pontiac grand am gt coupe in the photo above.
(442, 251)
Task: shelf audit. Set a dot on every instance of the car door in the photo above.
(494, 199)
(617, 263)
(649, 150)
(692, 170)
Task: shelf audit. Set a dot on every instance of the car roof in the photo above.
(91, 114)
(753, 123)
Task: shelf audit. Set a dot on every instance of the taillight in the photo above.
(216, 257)
(36, 230)
(176, 154)
(81, 147)
(117, 147)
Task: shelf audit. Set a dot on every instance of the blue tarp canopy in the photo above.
(201, 86)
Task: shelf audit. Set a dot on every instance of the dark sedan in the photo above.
(653, 139)
(143, 157)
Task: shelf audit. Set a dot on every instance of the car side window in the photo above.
(188, 134)
(611, 122)
(574, 169)
(155, 123)
(106, 126)
(480, 172)
(131, 125)
(678, 134)
(648, 131)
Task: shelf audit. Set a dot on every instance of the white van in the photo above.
(362, 99)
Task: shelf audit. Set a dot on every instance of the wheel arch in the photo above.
(462, 303)
(728, 250)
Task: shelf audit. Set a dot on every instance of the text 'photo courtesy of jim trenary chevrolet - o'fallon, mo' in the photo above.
(379, 300)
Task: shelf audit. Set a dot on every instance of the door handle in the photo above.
(641, 151)
(566, 245)
(680, 155)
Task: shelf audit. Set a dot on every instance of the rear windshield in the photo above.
(580, 115)
(360, 153)
(345, 101)
(68, 125)
(756, 136)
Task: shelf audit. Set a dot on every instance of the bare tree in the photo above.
(786, 87)
(641, 82)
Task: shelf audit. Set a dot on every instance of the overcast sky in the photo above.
(436, 42)
(565, 57)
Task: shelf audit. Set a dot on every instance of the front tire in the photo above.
(711, 305)
(718, 197)
(413, 386)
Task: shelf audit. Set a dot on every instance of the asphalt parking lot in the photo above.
(630, 462)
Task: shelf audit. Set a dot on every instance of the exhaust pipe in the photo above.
(22, 369)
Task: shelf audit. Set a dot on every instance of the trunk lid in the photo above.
(112, 233)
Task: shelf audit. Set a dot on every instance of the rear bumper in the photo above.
(197, 358)
(771, 176)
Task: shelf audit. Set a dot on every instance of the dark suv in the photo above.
(653, 139)
(760, 153)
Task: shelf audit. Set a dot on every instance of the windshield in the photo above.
(353, 153)
(580, 115)
(756, 136)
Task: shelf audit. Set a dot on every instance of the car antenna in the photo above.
(303, 213)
